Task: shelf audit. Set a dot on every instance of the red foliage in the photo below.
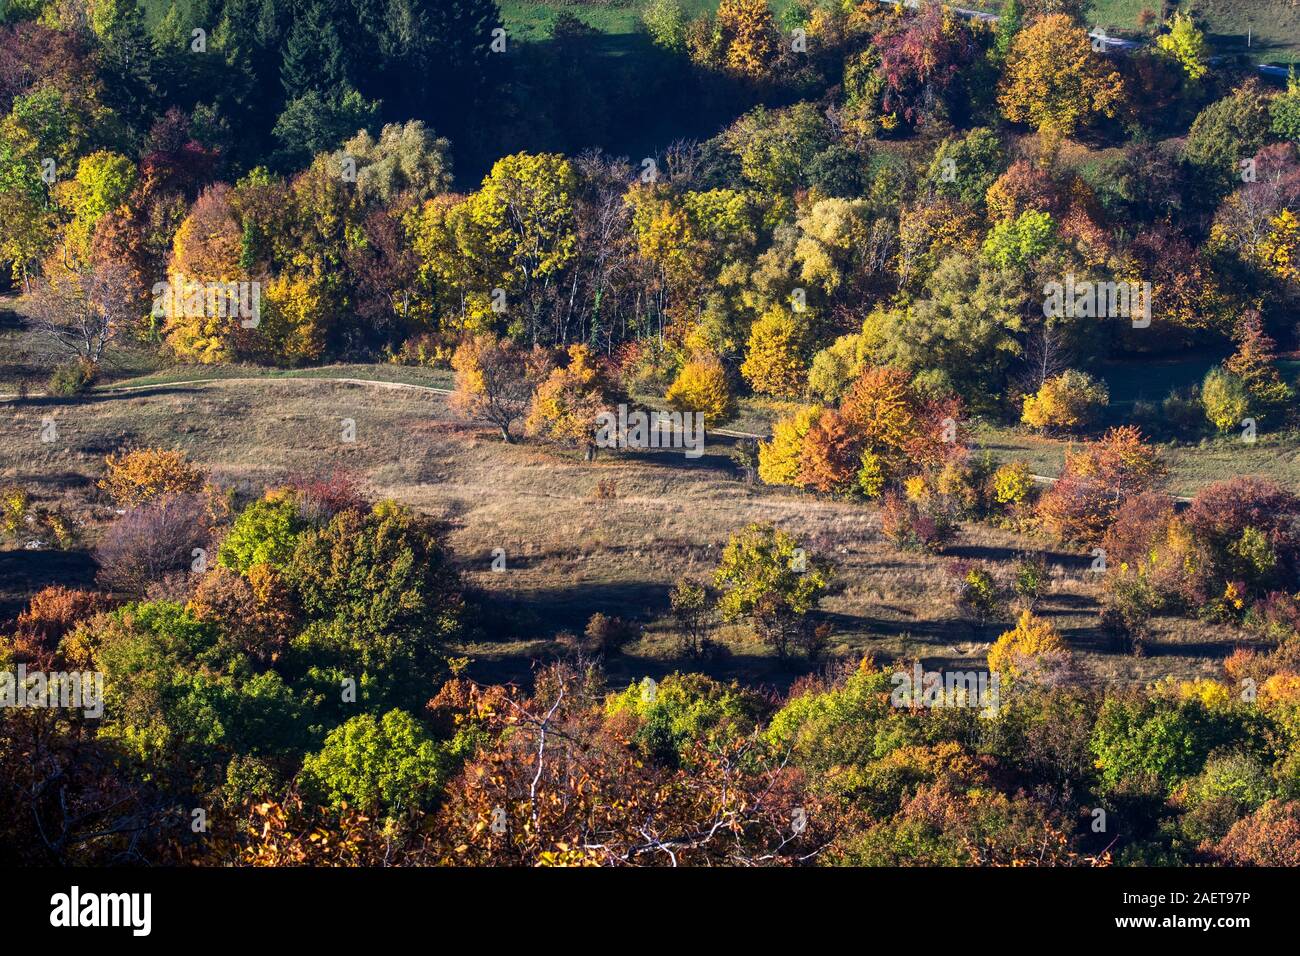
(920, 60)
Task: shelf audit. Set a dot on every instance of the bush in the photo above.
(1025, 649)
(607, 635)
(701, 386)
(1012, 484)
(73, 378)
(1225, 399)
(135, 477)
(978, 592)
(915, 526)
(152, 541)
(1070, 402)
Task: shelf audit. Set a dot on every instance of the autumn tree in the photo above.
(1070, 401)
(1096, 481)
(494, 381)
(1054, 80)
(749, 36)
(136, 476)
(779, 457)
(566, 406)
(765, 575)
(774, 357)
(80, 311)
(701, 386)
(1029, 648)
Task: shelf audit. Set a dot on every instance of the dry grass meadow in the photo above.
(568, 552)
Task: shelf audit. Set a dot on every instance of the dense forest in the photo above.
(882, 231)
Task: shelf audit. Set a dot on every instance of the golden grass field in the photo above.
(568, 554)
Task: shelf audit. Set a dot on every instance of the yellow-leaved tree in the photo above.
(137, 476)
(1026, 648)
(774, 358)
(779, 459)
(1055, 81)
(701, 386)
(566, 407)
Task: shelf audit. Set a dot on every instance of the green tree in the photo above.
(765, 575)
(389, 764)
(266, 532)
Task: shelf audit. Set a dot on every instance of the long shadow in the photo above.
(23, 573)
(976, 552)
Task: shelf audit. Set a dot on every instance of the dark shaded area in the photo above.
(23, 573)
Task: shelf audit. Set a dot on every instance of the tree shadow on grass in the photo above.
(23, 573)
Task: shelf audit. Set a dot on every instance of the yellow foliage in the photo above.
(1012, 483)
(137, 476)
(779, 459)
(1031, 638)
(701, 386)
(774, 362)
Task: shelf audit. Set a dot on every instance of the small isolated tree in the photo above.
(1071, 401)
(137, 476)
(691, 611)
(1225, 398)
(566, 405)
(79, 312)
(701, 386)
(492, 381)
(1026, 648)
(766, 576)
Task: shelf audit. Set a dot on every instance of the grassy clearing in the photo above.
(568, 554)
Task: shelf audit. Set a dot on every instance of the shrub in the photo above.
(607, 635)
(135, 477)
(1225, 399)
(1030, 579)
(51, 613)
(73, 378)
(1012, 483)
(1268, 837)
(916, 527)
(978, 592)
(1025, 649)
(256, 613)
(1070, 402)
(152, 541)
(701, 386)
